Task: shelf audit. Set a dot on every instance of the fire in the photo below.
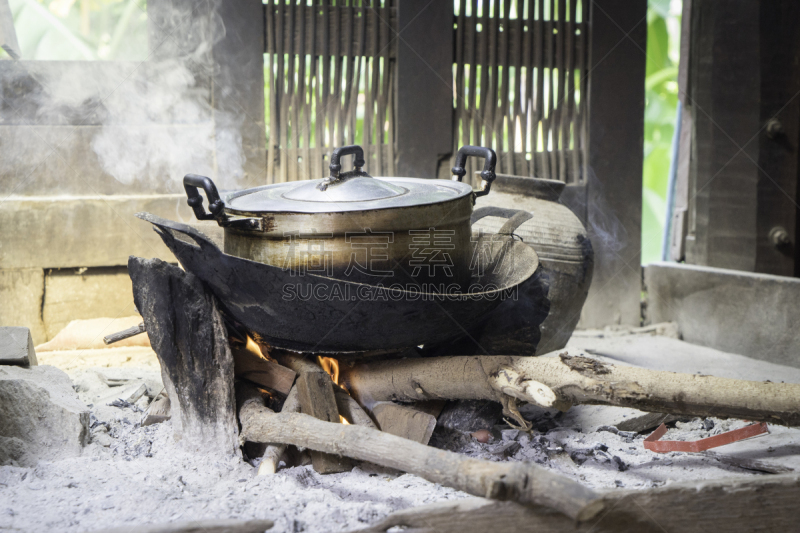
(331, 366)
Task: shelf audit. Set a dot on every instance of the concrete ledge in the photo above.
(756, 315)
(86, 231)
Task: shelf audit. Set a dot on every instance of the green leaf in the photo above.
(657, 78)
(657, 45)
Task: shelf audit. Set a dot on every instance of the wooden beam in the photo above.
(618, 40)
(733, 505)
(424, 81)
(723, 100)
(779, 140)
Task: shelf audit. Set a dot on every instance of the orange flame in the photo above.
(331, 366)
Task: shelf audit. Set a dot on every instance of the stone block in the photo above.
(40, 409)
(16, 347)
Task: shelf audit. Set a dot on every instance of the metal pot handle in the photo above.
(487, 175)
(336, 167)
(193, 182)
(337, 154)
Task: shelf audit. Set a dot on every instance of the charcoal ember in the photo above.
(621, 466)
(123, 404)
(504, 449)
(579, 456)
(470, 415)
(708, 424)
(509, 434)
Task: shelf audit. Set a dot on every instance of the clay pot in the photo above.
(565, 272)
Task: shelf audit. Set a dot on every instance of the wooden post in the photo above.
(614, 174)
(189, 337)
(424, 102)
(239, 89)
(778, 140)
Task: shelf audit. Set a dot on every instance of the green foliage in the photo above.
(661, 95)
(82, 30)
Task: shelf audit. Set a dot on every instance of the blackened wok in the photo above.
(317, 314)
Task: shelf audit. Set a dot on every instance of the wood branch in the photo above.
(404, 421)
(524, 483)
(733, 505)
(189, 337)
(350, 410)
(274, 452)
(573, 379)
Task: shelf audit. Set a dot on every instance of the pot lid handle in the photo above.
(358, 163)
(489, 162)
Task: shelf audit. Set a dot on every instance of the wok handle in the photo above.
(489, 163)
(193, 182)
(516, 218)
(337, 154)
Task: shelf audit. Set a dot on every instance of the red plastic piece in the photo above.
(653, 443)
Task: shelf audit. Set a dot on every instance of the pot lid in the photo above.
(357, 193)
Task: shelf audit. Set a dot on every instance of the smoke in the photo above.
(607, 233)
(166, 127)
(157, 117)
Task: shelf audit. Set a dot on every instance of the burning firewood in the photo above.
(315, 393)
(572, 379)
(350, 410)
(522, 482)
(250, 363)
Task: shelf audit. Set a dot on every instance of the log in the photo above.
(274, 452)
(521, 482)
(404, 421)
(733, 505)
(572, 379)
(350, 410)
(315, 391)
(189, 337)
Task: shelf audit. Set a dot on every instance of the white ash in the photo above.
(132, 475)
(602, 457)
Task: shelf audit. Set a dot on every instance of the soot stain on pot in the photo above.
(268, 223)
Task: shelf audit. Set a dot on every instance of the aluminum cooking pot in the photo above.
(353, 226)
